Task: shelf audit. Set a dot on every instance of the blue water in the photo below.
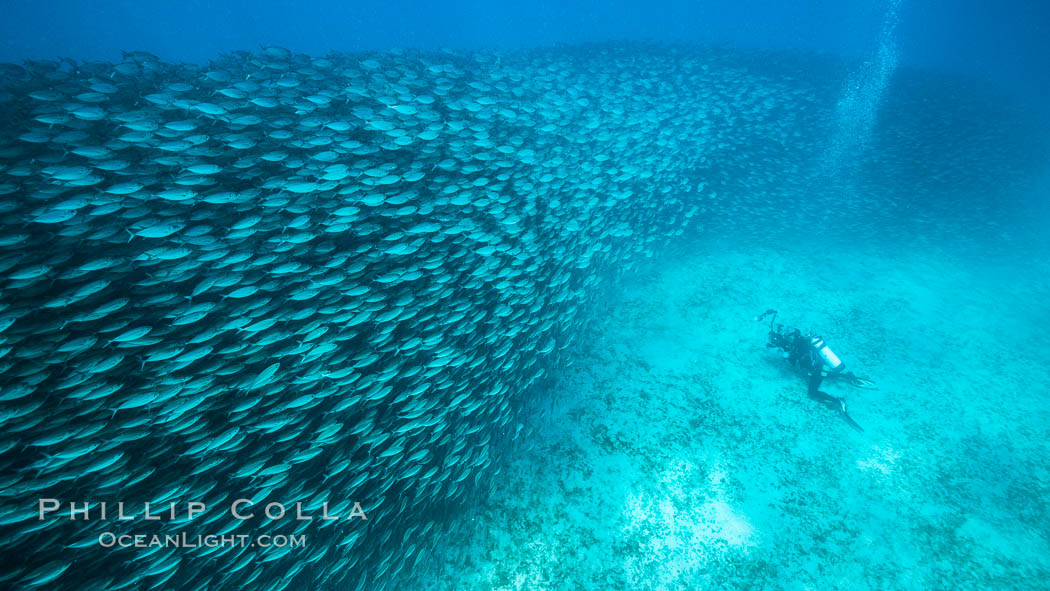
(492, 270)
(1004, 42)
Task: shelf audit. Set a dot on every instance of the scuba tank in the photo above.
(825, 353)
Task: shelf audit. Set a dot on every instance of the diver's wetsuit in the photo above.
(803, 355)
(808, 353)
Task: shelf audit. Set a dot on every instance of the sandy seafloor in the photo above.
(682, 454)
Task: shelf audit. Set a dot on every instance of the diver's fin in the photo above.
(863, 383)
(845, 415)
(850, 420)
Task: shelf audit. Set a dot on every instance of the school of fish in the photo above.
(328, 280)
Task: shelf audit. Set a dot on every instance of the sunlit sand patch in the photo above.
(882, 460)
(680, 527)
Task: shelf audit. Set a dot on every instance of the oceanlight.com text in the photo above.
(183, 540)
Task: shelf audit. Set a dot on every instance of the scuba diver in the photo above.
(809, 352)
